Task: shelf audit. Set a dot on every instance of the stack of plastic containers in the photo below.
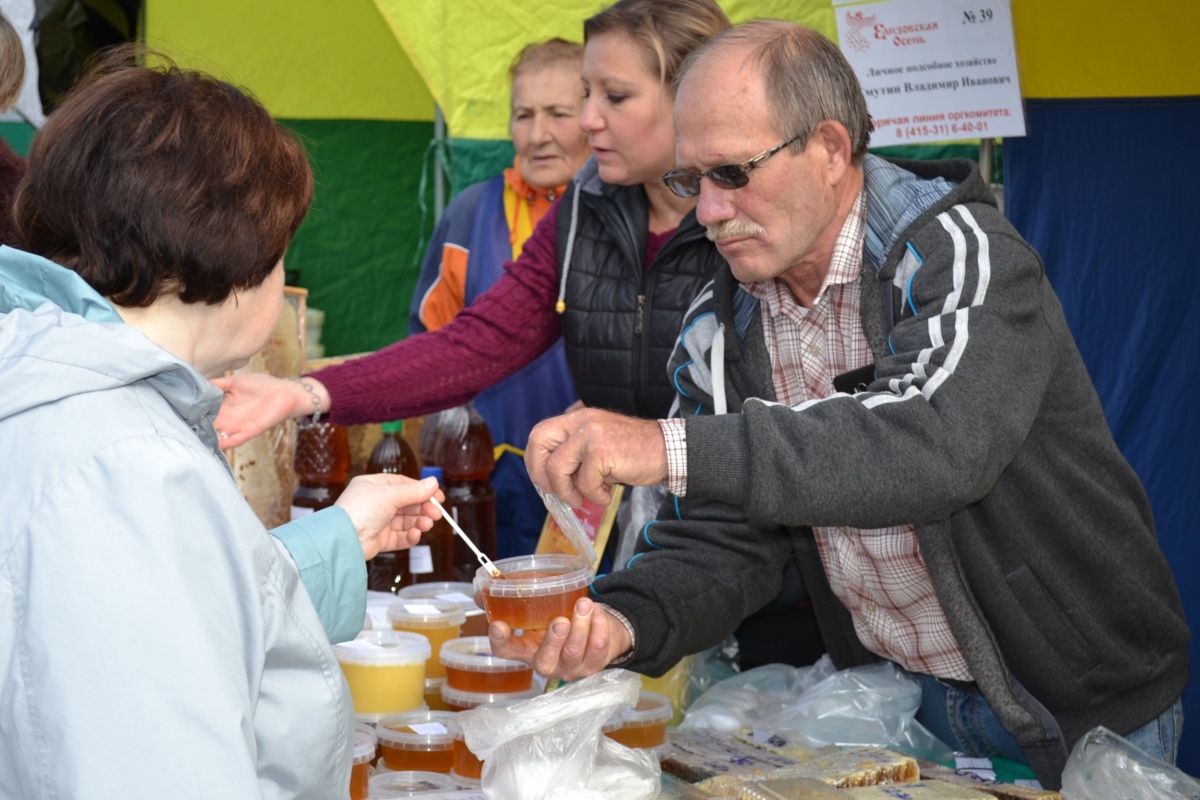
(459, 592)
(385, 671)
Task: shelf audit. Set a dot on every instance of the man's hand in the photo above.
(568, 649)
(254, 402)
(390, 511)
(579, 454)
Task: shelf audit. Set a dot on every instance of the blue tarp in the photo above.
(1105, 190)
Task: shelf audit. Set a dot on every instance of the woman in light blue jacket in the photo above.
(155, 640)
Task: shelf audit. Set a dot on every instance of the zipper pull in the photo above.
(637, 326)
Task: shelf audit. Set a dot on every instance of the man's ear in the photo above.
(834, 140)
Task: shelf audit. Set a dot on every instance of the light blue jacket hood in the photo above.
(59, 337)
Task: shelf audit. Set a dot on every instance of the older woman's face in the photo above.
(546, 102)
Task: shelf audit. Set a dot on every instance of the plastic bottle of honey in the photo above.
(467, 460)
(322, 464)
(392, 455)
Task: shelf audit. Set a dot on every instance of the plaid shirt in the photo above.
(878, 574)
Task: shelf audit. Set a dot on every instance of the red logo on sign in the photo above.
(856, 22)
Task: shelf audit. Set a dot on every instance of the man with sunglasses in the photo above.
(882, 384)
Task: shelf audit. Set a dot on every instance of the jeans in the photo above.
(963, 719)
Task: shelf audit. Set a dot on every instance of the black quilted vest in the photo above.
(621, 320)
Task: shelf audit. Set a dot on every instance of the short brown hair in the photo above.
(806, 76)
(12, 64)
(156, 180)
(538, 55)
(667, 30)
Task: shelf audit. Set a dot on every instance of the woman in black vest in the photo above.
(611, 268)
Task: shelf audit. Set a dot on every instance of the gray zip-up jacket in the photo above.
(981, 428)
(155, 640)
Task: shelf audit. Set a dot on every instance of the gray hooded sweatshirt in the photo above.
(155, 639)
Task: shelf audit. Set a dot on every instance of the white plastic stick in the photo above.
(484, 560)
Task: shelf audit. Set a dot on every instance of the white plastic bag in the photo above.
(870, 705)
(551, 748)
(1105, 766)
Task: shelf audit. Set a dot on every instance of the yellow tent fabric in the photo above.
(303, 60)
(463, 48)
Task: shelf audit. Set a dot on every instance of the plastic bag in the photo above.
(818, 706)
(1105, 766)
(551, 748)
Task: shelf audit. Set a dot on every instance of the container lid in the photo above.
(651, 709)
(463, 782)
(434, 685)
(395, 426)
(415, 729)
(367, 727)
(461, 699)
(532, 576)
(384, 649)
(474, 654)
(408, 783)
(459, 592)
(364, 745)
(425, 612)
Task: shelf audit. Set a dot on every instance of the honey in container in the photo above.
(385, 671)
(360, 769)
(416, 740)
(471, 667)
(457, 700)
(433, 694)
(533, 590)
(438, 621)
(409, 783)
(644, 725)
(460, 592)
(466, 764)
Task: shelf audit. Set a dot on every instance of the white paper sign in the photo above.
(934, 70)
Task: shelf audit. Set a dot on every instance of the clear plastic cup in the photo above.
(437, 620)
(433, 694)
(385, 671)
(464, 782)
(416, 740)
(533, 590)
(643, 726)
(409, 784)
(360, 770)
(471, 667)
(463, 701)
(459, 592)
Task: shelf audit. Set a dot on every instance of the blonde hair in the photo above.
(667, 30)
(12, 64)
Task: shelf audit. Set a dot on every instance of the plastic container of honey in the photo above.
(433, 694)
(458, 700)
(360, 769)
(533, 590)
(459, 592)
(643, 726)
(466, 764)
(464, 783)
(416, 740)
(385, 671)
(409, 783)
(471, 667)
(439, 621)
